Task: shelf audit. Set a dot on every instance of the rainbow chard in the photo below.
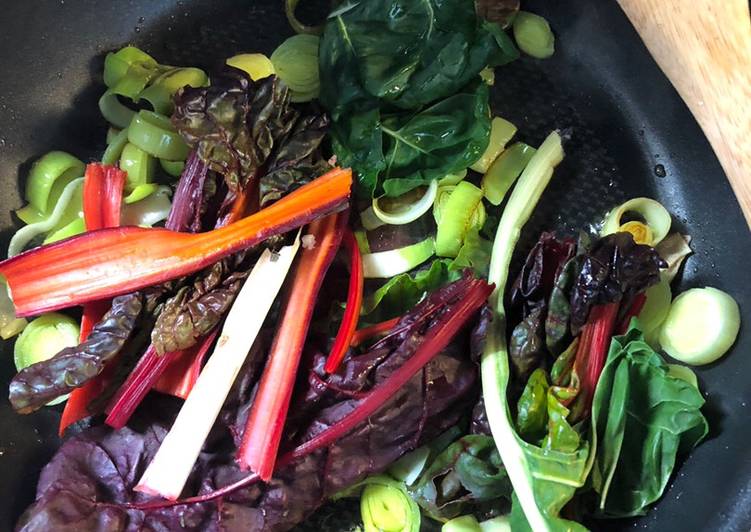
(120, 260)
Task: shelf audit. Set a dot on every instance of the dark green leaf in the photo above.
(407, 53)
(38, 384)
(404, 291)
(443, 139)
(644, 419)
(532, 408)
(466, 476)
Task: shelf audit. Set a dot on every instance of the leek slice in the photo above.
(173, 168)
(114, 111)
(139, 165)
(655, 216)
(387, 264)
(289, 9)
(154, 134)
(386, 506)
(501, 132)
(48, 177)
(701, 326)
(42, 339)
(456, 213)
(115, 147)
(173, 462)
(10, 325)
(117, 64)
(148, 208)
(161, 90)
(533, 35)
(369, 220)
(26, 234)
(76, 227)
(452, 179)
(296, 63)
(408, 212)
(464, 523)
(504, 171)
(257, 66)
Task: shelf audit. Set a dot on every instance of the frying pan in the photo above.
(631, 135)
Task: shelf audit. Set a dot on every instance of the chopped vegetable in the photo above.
(138, 165)
(455, 218)
(173, 168)
(674, 249)
(36, 385)
(655, 217)
(108, 262)
(183, 371)
(115, 147)
(263, 431)
(501, 132)
(533, 35)
(173, 462)
(162, 89)
(47, 179)
(644, 419)
(701, 326)
(386, 264)
(296, 63)
(102, 196)
(379, 329)
(10, 325)
(502, 174)
(403, 213)
(299, 27)
(656, 307)
(257, 66)
(465, 523)
(149, 210)
(452, 179)
(26, 234)
(43, 338)
(345, 335)
(117, 64)
(155, 135)
(385, 505)
(114, 111)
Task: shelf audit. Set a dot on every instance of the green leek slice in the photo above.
(173, 168)
(501, 132)
(154, 134)
(47, 179)
(454, 212)
(139, 165)
(655, 216)
(504, 171)
(533, 35)
(296, 63)
(387, 264)
(257, 66)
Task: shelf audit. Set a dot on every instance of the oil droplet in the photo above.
(141, 19)
(660, 170)
(2, 143)
(59, 75)
(137, 29)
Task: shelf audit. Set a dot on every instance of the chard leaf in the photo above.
(527, 345)
(559, 309)
(644, 418)
(40, 383)
(404, 291)
(474, 254)
(468, 476)
(531, 410)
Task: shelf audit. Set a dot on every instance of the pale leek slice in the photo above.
(406, 212)
(26, 234)
(387, 264)
(654, 215)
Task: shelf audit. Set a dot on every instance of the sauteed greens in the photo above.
(297, 286)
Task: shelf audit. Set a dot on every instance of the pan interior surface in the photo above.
(630, 135)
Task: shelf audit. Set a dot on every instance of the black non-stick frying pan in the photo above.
(631, 135)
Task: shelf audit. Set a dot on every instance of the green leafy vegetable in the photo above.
(467, 475)
(474, 254)
(644, 419)
(415, 55)
(532, 408)
(403, 292)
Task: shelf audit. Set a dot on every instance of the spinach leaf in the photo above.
(644, 419)
(406, 53)
(467, 477)
(394, 77)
